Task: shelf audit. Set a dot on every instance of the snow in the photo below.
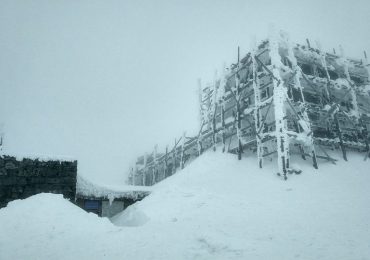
(87, 188)
(216, 208)
(40, 157)
(280, 94)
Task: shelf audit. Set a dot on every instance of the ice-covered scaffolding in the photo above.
(279, 99)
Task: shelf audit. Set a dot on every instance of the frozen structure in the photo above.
(281, 98)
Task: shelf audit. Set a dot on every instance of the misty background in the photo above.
(105, 81)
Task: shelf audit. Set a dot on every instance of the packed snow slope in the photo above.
(216, 208)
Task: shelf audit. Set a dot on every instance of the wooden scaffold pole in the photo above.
(238, 109)
(222, 105)
(257, 109)
(214, 111)
(302, 120)
(279, 94)
(182, 158)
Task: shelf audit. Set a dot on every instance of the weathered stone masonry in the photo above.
(20, 179)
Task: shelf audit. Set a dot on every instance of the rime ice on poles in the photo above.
(279, 99)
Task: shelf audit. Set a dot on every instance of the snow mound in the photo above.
(229, 209)
(216, 208)
(131, 217)
(46, 224)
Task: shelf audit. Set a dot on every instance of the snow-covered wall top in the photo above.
(42, 157)
(86, 188)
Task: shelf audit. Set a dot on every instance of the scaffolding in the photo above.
(279, 99)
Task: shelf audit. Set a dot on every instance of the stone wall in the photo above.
(20, 179)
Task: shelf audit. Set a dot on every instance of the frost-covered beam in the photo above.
(238, 110)
(257, 111)
(279, 93)
(304, 120)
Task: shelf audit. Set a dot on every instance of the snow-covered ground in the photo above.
(216, 208)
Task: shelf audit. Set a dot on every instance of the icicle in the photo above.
(111, 199)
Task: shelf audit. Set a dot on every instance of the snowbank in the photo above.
(216, 208)
(47, 226)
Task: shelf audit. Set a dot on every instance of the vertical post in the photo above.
(367, 65)
(223, 125)
(134, 175)
(214, 129)
(340, 136)
(174, 157)
(222, 86)
(308, 43)
(365, 132)
(302, 105)
(166, 163)
(301, 149)
(238, 112)
(155, 165)
(199, 144)
(130, 176)
(214, 108)
(336, 120)
(352, 86)
(324, 65)
(1, 137)
(279, 94)
(182, 161)
(257, 110)
(144, 169)
(200, 100)
(199, 140)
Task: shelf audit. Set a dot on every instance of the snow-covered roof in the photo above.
(86, 188)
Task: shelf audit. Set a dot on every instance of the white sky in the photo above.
(104, 81)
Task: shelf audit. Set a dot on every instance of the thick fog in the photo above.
(105, 81)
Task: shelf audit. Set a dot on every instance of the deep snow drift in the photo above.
(216, 208)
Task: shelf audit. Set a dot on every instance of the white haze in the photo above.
(104, 81)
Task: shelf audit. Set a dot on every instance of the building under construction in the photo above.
(281, 98)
